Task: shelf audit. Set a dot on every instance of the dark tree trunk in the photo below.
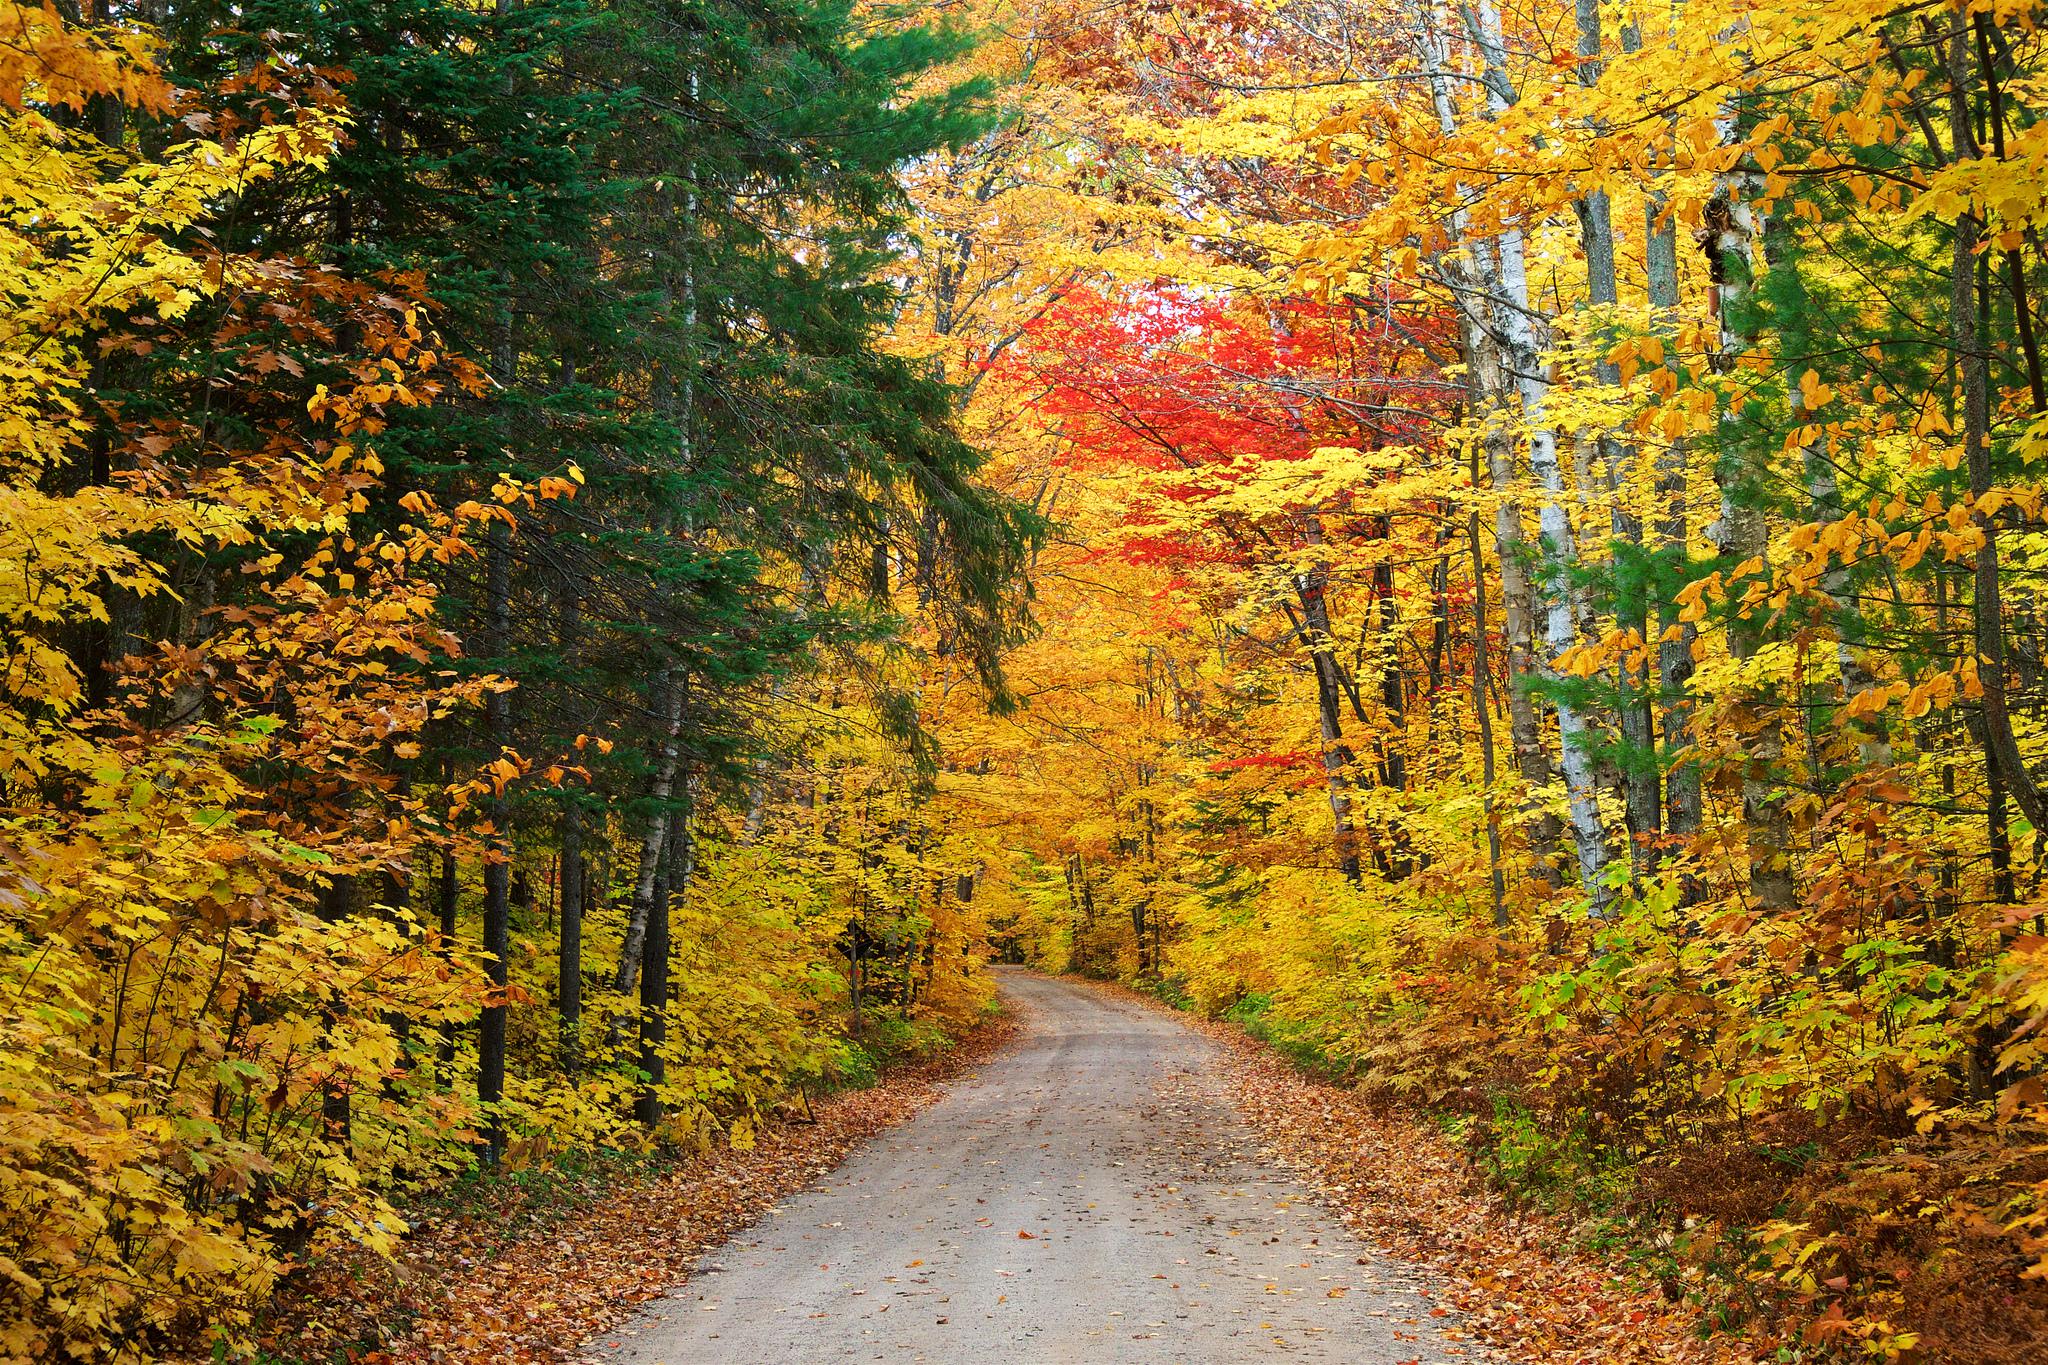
(335, 1108)
(490, 1080)
(1482, 709)
(656, 837)
(447, 901)
(569, 946)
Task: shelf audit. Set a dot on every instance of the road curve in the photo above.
(1086, 1196)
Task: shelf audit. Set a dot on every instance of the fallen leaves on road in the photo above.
(1515, 1279)
(504, 1286)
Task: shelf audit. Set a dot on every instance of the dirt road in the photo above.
(1085, 1197)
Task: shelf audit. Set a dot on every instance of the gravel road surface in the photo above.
(1086, 1196)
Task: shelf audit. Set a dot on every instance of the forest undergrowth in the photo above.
(1549, 1256)
(534, 1265)
(1543, 1284)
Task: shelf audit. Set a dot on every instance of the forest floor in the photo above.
(526, 1271)
(1530, 1285)
(1097, 1178)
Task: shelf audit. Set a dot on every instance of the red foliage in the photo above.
(1199, 391)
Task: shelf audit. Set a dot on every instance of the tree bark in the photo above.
(1311, 590)
(1732, 247)
(1521, 333)
(498, 861)
(1490, 387)
(2003, 758)
(679, 865)
(1676, 636)
(1596, 233)
(446, 895)
(1482, 709)
(655, 839)
(336, 1108)
(498, 811)
(569, 946)
(569, 940)
(1394, 700)
(1523, 352)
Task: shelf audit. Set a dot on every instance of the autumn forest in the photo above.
(573, 572)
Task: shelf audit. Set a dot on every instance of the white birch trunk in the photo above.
(1522, 344)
